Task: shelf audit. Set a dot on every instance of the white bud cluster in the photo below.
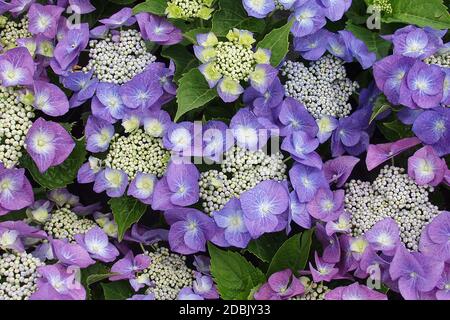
(65, 224)
(188, 8)
(18, 275)
(117, 59)
(323, 87)
(279, 5)
(234, 60)
(442, 60)
(313, 290)
(137, 152)
(393, 194)
(383, 6)
(15, 121)
(168, 273)
(14, 30)
(241, 170)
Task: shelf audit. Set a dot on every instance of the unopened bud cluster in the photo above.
(393, 194)
(323, 86)
(117, 59)
(18, 275)
(15, 121)
(13, 30)
(65, 224)
(234, 60)
(442, 60)
(137, 152)
(189, 9)
(168, 273)
(383, 6)
(313, 290)
(241, 170)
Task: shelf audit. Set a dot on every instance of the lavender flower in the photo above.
(44, 19)
(327, 205)
(265, 207)
(230, 219)
(338, 170)
(113, 181)
(415, 272)
(426, 168)
(380, 153)
(15, 190)
(354, 291)
(158, 30)
(121, 18)
(50, 99)
(96, 243)
(128, 266)
(189, 230)
(48, 143)
(281, 285)
(432, 127)
(16, 67)
(99, 134)
(307, 181)
(71, 254)
(58, 283)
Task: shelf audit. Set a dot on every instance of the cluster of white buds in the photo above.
(442, 60)
(279, 5)
(117, 59)
(18, 275)
(241, 170)
(323, 86)
(383, 6)
(15, 121)
(65, 224)
(168, 274)
(313, 290)
(393, 194)
(189, 9)
(13, 30)
(137, 152)
(234, 60)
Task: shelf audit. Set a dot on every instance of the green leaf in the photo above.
(59, 176)
(423, 13)
(234, 275)
(357, 12)
(381, 105)
(92, 274)
(119, 290)
(183, 59)
(395, 130)
(293, 254)
(14, 216)
(157, 7)
(126, 211)
(267, 245)
(373, 40)
(193, 92)
(277, 41)
(233, 15)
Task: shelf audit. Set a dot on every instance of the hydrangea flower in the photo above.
(415, 272)
(226, 64)
(96, 243)
(128, 266)
(354, 291)
(432, 127)
(380, 153)
(338, 170)
(113, 181)
(188, 9)
(71, 254)
(415, 42)
(265, 208)
(48, 144)
(179, 187)
(158, 29)
(433, 242)
(58, 283)
(16, 67)
(326, 205)
(43, 19)
(189, 230)
(306, 181)
(15, 190)
(281, 285)
(230, 220)
(426, 168)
